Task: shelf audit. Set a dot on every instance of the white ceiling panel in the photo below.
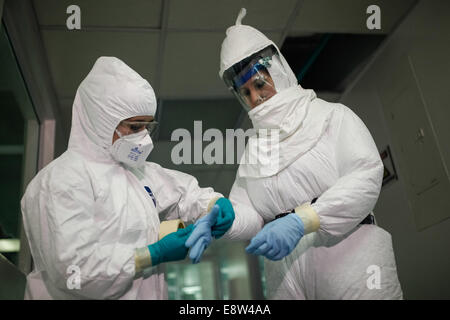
(72, 54)
(196, 29)
(347, 16)
(191, 65)
(220, 14)
(105, 13)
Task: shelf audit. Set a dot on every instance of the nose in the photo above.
(255, 98)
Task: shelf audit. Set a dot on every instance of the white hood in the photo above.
(242, 41)
(306, 122)
(110, 93)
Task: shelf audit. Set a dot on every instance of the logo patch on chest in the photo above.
(149, 191)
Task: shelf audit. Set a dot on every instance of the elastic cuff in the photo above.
(142, 260)
(309, 217)
(211, 204)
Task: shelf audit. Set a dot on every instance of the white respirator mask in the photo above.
(132, 149)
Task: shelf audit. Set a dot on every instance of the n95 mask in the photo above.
(133, 149)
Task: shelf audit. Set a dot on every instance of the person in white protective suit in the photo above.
(92, 216)
(306, 203)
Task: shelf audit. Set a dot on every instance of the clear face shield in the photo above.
(257, 78)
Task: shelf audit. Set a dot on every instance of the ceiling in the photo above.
(175, 44)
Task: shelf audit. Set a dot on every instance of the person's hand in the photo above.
(278, 238)
(201, 237)
(171, 247)
(225, 218)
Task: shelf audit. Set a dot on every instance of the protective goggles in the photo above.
(137, 126)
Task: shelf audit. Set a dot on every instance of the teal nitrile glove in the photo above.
(278, 238)
(224, 219)
(201, 237)
(171, 247)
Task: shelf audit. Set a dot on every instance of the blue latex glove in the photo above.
(225, 218)
(201, 236)
(278, 238)
(171, 247)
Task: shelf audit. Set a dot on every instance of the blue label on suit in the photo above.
(149, 191)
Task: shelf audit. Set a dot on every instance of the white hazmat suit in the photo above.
(325, 152)
(85, 214)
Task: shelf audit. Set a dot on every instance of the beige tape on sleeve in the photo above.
(212, 203)
(142, 260)
(170, 226)
(142, 256)
(309, 217)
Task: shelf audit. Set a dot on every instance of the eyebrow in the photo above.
(139, 120)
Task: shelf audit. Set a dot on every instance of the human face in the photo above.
(257, 89)
(132, 125)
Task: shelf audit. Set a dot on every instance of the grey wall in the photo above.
(423, 257)
(13, 281)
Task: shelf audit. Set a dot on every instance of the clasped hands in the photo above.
(275, 241)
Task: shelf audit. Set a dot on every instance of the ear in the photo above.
(115, 137)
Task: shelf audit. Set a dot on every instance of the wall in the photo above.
(13, 281)
(423, 258)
